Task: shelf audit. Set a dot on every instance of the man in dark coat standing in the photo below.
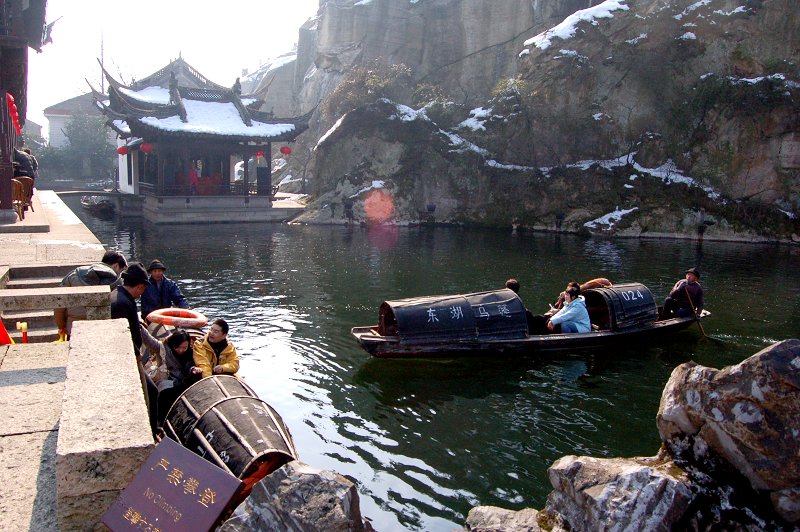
(123, 300)
(123, 305)
(162, 292)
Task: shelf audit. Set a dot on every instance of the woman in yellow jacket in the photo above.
(215, 355)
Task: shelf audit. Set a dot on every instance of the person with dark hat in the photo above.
(162, 292)
(686, 297)
(123, 299)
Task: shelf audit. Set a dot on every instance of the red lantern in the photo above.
(12, 110)
(259, 154)
(122, 150)
(146, 148)
(286, 150)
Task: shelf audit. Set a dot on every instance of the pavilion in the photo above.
(180, 138)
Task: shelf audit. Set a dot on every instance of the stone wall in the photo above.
(104, 432)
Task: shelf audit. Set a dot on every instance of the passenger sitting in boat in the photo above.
(214, 354)
(594, 283)
(537, 323)
(573, 316)
(170, 365)
(678, 303)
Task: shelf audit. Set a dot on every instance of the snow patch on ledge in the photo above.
(607, 221)
(568, 28)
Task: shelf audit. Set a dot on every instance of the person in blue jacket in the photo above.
(162, 292)
(573, 316)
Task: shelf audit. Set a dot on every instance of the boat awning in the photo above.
(498, 314)
(629, 305)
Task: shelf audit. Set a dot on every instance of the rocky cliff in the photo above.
(552, 114)
(728, 461)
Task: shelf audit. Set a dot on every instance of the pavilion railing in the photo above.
(231, 189)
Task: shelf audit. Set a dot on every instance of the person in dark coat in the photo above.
(162, 292)
(123, 305)
(26, 164)
(107, 271)
(678, 303)
(123, 300)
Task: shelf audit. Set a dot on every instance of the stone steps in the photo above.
(36, 335)
(41, 323)
(33, 282)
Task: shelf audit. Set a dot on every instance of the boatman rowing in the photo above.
(686, 297)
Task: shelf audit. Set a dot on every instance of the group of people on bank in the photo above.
(168, 366)
(570, 315)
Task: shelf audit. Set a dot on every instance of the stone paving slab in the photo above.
(31, 387)
(67, 241)
(28, 487)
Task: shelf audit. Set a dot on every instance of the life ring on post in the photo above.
(178, 317)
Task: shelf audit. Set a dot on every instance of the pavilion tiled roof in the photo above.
(177, 101)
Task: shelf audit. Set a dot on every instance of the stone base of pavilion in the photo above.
(163, 210)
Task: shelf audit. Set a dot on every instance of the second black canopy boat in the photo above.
(486, 322)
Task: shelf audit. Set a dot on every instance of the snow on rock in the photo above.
(461, 144)
(375, 185)
(607, 221)
(691, 8)
(636, 40)
(568, 28)
(516, 167)
(333, 128)
(476, 119)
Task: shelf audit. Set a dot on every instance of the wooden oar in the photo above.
(696, 317)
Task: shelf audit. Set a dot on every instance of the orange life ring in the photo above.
(178, 317)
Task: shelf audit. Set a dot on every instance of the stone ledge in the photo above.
(104, 435)
(44, 298)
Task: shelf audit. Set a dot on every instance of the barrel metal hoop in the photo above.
(210, 451)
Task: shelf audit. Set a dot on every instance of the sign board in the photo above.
(175, 490)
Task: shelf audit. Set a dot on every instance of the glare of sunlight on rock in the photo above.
(378, 207)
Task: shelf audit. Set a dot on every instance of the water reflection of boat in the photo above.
(98, 205)
(492, 322)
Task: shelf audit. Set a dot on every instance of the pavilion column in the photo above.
(160, 163)
(268, 153)
(246, 177)
(6, 163)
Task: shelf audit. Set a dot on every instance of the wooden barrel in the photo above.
(222, 419)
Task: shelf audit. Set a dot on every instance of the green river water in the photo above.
(426, 440)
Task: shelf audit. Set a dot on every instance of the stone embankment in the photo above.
(729, 459)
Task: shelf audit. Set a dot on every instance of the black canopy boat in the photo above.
(491, 322)
(98, 205)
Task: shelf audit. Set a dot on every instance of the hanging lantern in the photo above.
(12, 110)
(286, 150)
(259, 154)
(122, 150)
(146, 148)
